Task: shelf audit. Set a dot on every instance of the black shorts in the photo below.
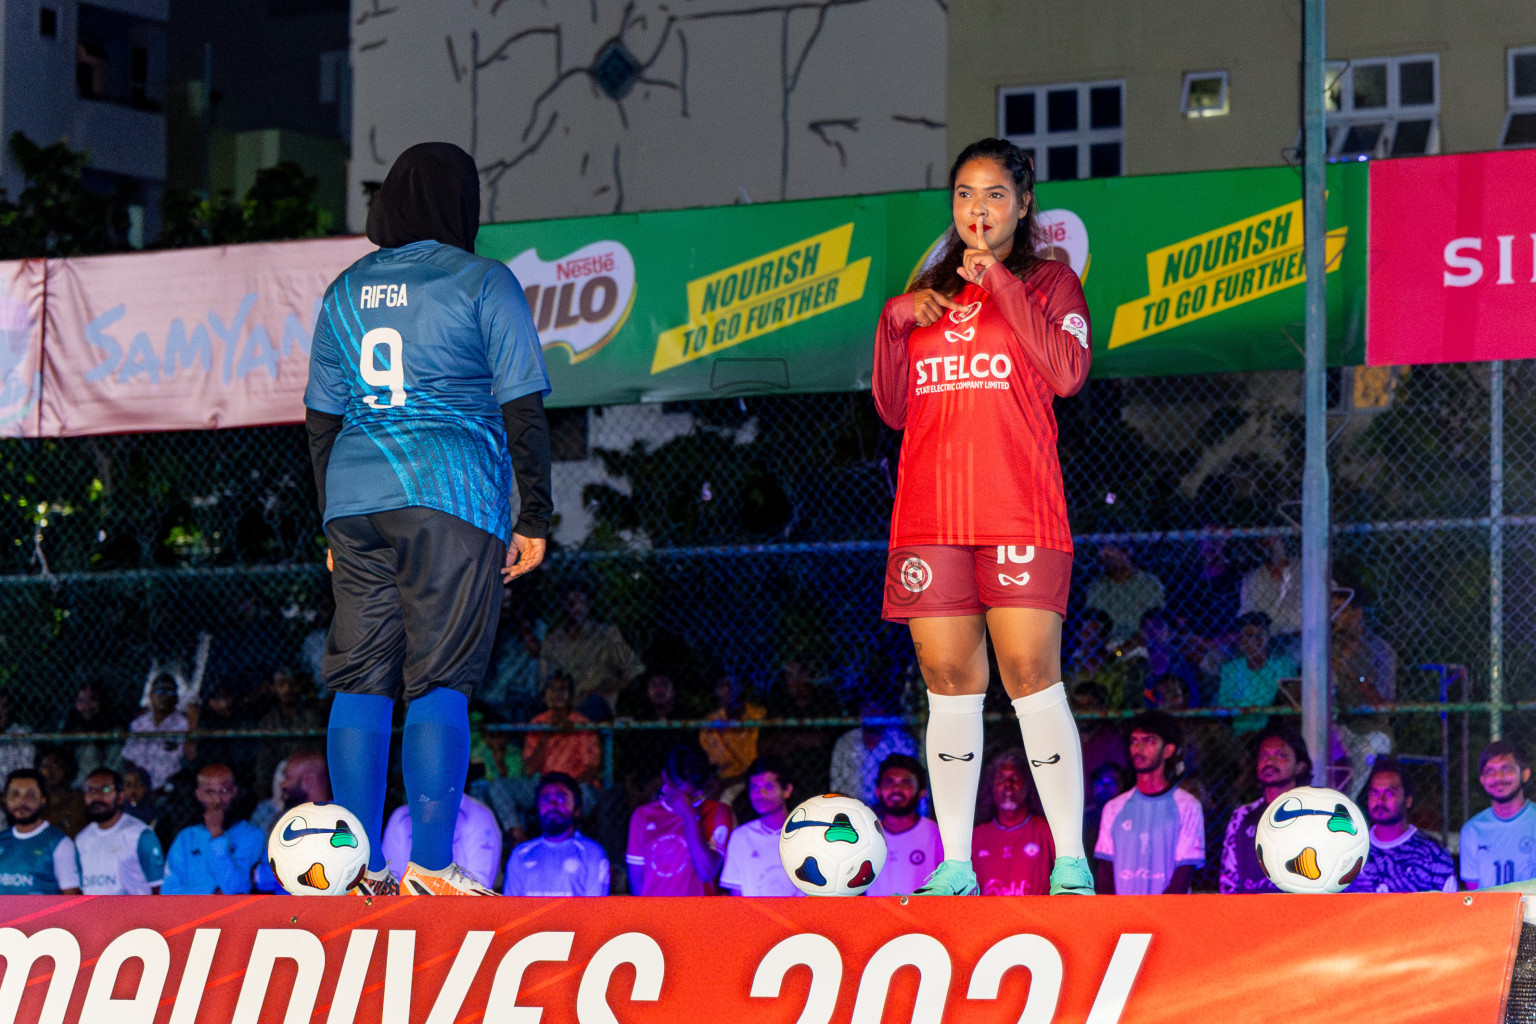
(417, 594)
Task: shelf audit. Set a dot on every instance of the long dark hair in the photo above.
(1022, 261)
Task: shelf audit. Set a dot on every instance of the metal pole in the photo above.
(1315, 711)
(1496, 548)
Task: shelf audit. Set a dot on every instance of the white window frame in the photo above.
(1084, 137)
(1190, 77)
(1340, 121)
(1516, 104)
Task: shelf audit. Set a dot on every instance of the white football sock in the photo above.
(954, 767)
(1056, 760)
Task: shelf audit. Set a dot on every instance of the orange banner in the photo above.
(1140, 960)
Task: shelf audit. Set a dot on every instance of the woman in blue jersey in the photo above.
(424, 405)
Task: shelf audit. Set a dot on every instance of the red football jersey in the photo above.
(973, 392)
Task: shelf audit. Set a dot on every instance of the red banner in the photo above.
(1452, 273)
(1141, 960)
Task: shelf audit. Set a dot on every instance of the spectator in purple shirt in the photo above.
(1281, 763)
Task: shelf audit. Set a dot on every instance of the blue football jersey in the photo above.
(1497, 851)
(417, 349)
(41, 863)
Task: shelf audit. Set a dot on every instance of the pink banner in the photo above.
(192, 339)
(1452, 274)
(21, 340)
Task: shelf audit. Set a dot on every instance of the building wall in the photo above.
(1000, 43)
(735, 100)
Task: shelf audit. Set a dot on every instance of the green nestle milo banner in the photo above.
(1188, 273)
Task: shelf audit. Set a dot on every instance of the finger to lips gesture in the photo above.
(929, 306)
(978, 258)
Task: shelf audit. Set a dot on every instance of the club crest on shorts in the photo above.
(915, 574)
(1075, 325)
(960, 316)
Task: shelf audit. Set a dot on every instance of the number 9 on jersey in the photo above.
(393, 377)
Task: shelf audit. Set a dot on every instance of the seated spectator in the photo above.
(293, 708)
(752, 866)
(1124, 592)
(159, 756)
(574, 753)
(1151, 837)
(1103, 744)
(1103, 786)
(805, 751)
(642, 752)
(36, 858)
(219, 713)
(138, 799)
(1210, 597)
(66, 807)
(1096, 662)
(675, 841)
(1402, 859)
(1361, 665)
(595, 656)
(1274, 588)
(560, 861)
(219, 854)
(119, 854)
(1252, 679)
(1012, 848)
(266, 812)
(186, 672)
(510, 692)
(14, 754)
(731, 750)
(1281, 763)
(912, 844)
(476, 841)
(1163, 658)
(1498, 845)
(88, 713)
(858, 753)
(500, 764)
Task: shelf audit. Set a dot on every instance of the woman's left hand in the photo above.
(973, 266)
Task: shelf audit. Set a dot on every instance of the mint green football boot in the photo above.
(951, 878)
(1071, 876)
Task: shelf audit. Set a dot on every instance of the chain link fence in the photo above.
(743, 540)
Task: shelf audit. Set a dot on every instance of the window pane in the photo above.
(1061, 163)
(1416, 83)
(1361, 140)
(1521, 130)
(1061, 111)
(1370, 86)
(1104, 160)
(1205, 94)
(1412, 137)
(1019, 113)
(1525, 75)
(1104, 107)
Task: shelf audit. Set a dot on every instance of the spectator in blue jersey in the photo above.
(1252, 679)
(119, 854)
(424, 410)
(218, 855)
(561, 861)
(1498, 846)
(1402, 858)
(1152, 836)
(36, 859)
(1281, 763)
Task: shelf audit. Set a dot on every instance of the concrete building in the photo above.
(92, 74)
(1103, 87)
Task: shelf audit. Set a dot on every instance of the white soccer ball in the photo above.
(1312, 840)
(318, 850)
(832, 845)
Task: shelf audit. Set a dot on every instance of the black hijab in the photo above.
(432, 192)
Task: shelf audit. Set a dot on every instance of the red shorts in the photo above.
(923, 580)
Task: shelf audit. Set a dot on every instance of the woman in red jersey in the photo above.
(968, 363)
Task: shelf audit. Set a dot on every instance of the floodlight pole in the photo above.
(1315, 710)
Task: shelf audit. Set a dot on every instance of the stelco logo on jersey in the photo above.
(580, 300)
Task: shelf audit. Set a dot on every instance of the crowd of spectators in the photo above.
(559, 809)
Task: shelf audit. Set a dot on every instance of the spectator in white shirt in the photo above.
(752, 866)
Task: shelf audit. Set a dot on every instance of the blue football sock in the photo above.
(357, 750)
(435, 760)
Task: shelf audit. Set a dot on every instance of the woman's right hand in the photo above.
(928, 306)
